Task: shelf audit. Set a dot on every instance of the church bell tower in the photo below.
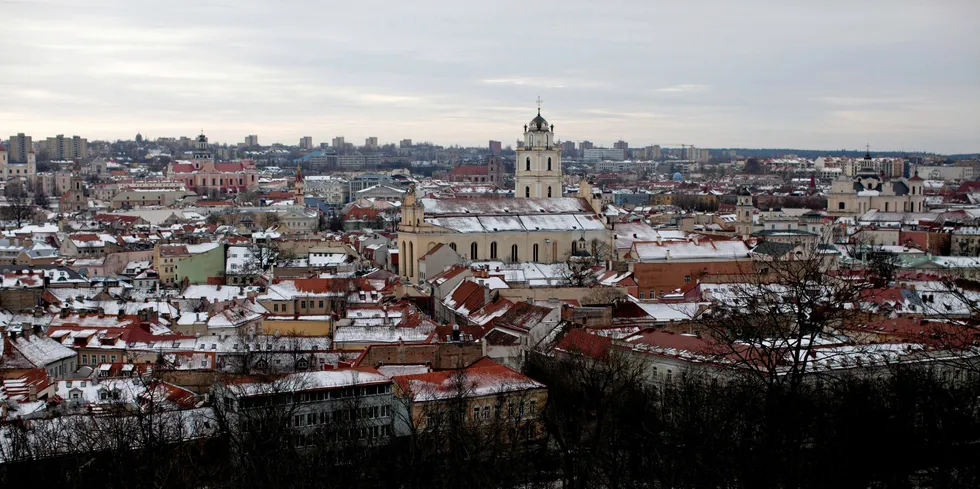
(538, 167)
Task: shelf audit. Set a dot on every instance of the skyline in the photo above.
(829, 75)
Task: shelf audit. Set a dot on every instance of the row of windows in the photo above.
(527, 192)
(97, 359)
(528, 165)
(514, 251)
(362, 433)
(515, 410)
(342, 415)
(317, 396)
(302, 305)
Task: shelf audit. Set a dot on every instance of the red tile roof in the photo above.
(586, 343)
(484, 377)
(477, 170)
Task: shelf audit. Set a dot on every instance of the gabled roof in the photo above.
(523, 316)
(484, 377)
(773, 248)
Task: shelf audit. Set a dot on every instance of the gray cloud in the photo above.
(823, 74)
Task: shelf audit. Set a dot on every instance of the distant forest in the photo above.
(815, 153)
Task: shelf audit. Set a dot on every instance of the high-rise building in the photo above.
(338, 143)
(584, 145)
(604, 154)
(538, 172)
(568, 148)
(371, 143)
(61, 148)
(623, 145)
(495, 147)
(655, 152)
(306, 142)
(20, 148)
(251, 140)
(405, 143)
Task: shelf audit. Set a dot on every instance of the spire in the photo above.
(299, 173)
(867, 153)
(539, 104)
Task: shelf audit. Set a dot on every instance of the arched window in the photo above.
(453, 246)
(411, 259)
(527, 192)
(534, 253)
(549, 191)
(528, 165)
(574, 246)
(513, 253)
(404, 250)
(493, 250)
(554, 251)
(473, 250)
(549, 163)
(840, 206)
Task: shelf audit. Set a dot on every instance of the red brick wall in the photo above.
(665, 277)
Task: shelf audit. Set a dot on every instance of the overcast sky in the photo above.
(831, 74)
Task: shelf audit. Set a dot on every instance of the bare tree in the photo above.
(603, 295)
(19, 207)
(770, 320)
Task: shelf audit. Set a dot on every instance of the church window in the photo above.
(549, 191)
(535, 253)
(513, 253)
(554, 251)
(493, 250)
(528, 164)
(453, 246)
(549, 163)
(574, 246)
(473, 250)
(840, 206)
(411, 259)
(527, 192)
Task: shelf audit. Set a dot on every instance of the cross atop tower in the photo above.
(539, 104)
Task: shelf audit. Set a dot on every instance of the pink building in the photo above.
(206, 176)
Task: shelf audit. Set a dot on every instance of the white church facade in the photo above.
(539, 225)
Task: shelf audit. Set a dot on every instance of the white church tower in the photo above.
(538, 167)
